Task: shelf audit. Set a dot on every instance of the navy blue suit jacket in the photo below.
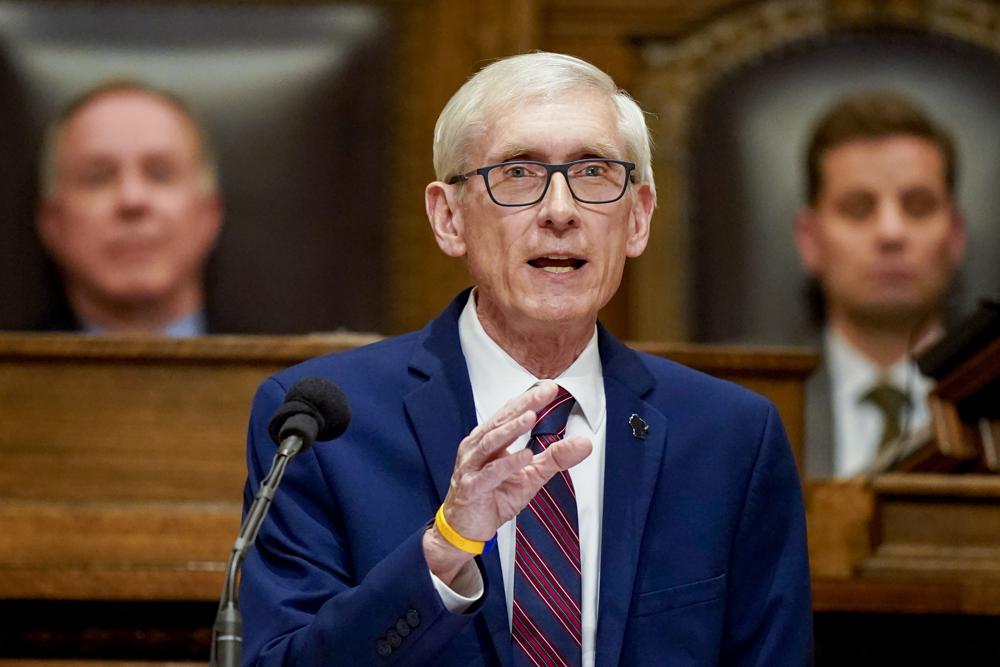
(703, 557)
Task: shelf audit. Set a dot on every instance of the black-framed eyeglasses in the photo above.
(525, 182)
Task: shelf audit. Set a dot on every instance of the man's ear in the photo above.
(640, 220)
(807, 242)
(214, 216)
(445, 217)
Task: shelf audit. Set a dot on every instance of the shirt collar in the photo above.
(853, 374)
(185, 327)
(192, 325)
(496, 377)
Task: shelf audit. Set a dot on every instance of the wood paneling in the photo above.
(846, 577)
(124, 458)
(442, 44)
(778, 373)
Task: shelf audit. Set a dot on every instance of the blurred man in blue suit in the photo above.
(517, 487)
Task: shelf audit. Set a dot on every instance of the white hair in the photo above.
(517, 80)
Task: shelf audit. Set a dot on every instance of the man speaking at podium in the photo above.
(517, 487)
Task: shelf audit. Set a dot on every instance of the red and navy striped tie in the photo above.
(546, 621)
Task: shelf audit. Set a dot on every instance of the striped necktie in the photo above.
(546, 620)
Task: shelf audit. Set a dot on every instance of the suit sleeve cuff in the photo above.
(468, 579)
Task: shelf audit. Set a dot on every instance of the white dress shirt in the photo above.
(496, 378)
(857, 424)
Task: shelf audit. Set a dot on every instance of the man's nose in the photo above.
(558, 205)
(133, 193)
(891, 222)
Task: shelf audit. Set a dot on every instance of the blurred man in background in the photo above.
(129, 211)
(882, 236)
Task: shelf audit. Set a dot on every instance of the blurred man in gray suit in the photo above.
(882, 236)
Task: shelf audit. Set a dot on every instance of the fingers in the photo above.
(517, 416)
(538, 469)
(493, 443)
(490, 485)
(532, 400)
(499, 470)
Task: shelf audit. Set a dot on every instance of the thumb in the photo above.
(564, 454)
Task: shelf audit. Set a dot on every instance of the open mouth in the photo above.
(557, 263)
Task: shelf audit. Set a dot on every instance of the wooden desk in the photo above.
(123, 461)
(123, 472)
(840, 516)
(124, 458)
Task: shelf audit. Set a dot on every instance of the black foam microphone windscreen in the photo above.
(311, 400)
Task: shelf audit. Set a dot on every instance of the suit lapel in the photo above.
(442, 411)
(631, 470)
(819, 437)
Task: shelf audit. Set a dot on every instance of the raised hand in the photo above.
(489, 486)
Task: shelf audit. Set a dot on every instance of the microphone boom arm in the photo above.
(227, 633)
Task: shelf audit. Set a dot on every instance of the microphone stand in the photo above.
(227, 633)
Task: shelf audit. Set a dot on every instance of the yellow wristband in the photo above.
(454, 538)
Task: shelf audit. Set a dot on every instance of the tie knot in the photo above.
(890, 401)
(553, 417)
(887, 398)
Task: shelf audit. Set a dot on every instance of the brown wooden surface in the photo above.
(133, 419)
(972, 376)
(124, 457)
(778, 373)
(106, 550)
(945, 527)
(110, 497)
(898, 595)
(124, 460)
(842, 544)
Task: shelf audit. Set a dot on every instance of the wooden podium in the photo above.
(123, 467)
(122, 475)
(947, 526)
(924, 543)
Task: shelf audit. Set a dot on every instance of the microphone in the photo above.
(314, 409)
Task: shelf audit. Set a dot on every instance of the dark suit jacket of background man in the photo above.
(703, 547)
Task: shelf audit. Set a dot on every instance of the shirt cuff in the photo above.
(467, 579)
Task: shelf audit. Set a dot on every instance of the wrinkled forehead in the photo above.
(555, 127)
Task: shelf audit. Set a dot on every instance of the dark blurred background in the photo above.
(748, 169)
(296, 99)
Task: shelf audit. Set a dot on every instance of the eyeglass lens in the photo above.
(520, 183)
